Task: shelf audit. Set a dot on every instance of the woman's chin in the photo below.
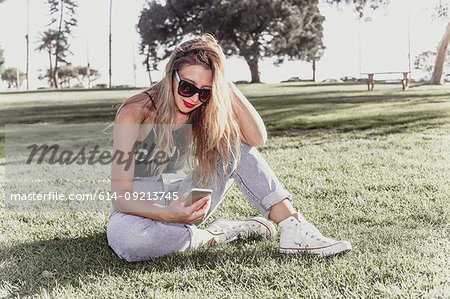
(184, 110)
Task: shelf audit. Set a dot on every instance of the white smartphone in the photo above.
(196, 194)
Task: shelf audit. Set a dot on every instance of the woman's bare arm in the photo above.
(126, 133)
(253, 130)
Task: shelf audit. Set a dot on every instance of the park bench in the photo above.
(371, 81)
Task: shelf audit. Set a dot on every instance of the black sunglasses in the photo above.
(186, 89)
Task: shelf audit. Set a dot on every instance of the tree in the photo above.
(313, 59)
(89, 74)
(66, 74)
(62, 11)
(10, 76)
(252, 29)
(149, 52)
(441, 12)
(425, 61)
(47, 42)
(436, 77)
(2, 61)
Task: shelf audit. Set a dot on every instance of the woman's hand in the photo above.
(177, 212)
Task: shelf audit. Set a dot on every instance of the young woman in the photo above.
(194, 108)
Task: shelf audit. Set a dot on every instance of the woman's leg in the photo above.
(282, 211)
(255, 179)
(135, 238)
(253, 176)
(262, 188)
(260, 185)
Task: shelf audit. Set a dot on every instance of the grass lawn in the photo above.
(371, 168)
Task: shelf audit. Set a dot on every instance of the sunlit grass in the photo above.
(371, 168)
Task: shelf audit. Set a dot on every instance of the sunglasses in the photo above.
(186, 89)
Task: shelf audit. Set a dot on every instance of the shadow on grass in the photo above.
(75, 113)
(275, 109)
(80, 258)
(341, 97)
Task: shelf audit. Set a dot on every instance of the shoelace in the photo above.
(310, 232)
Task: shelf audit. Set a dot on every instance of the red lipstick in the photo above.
(188, 105)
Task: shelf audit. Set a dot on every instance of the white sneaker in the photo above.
(225, 230)
(303, 237)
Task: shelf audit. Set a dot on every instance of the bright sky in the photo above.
(379, 42)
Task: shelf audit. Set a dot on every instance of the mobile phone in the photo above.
(196, 194)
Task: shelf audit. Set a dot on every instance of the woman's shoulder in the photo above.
(136, 110)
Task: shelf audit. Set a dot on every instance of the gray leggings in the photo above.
(136, 238)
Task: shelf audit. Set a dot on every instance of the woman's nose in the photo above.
(194, 98)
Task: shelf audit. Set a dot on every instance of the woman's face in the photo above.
(198, 75)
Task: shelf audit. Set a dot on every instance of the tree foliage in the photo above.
(68, 73)
(2, 61)
(425, 61)
(89, 74)
(47, 42)
(360, 5)
(10, 76)
(441, 11)
(253, 29)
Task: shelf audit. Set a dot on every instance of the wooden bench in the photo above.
(371, 81)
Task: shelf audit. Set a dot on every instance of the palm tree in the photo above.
(62, 13)
(48, 42)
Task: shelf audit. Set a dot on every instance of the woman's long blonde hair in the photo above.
(215, 130)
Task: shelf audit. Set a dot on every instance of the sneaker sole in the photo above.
(272, 231)
(334, 249)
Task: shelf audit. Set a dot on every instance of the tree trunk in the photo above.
(147, 65)
(88, 73)
(436, 78)
(51, 67)
(149, 77)
(253, 65)
(55, 71)
(314, 70)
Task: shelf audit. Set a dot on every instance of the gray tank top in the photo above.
(148, 159)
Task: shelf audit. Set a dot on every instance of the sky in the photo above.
(377, 43)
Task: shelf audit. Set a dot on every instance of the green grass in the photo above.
(371, 168)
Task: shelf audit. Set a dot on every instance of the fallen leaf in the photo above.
(49, 274)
